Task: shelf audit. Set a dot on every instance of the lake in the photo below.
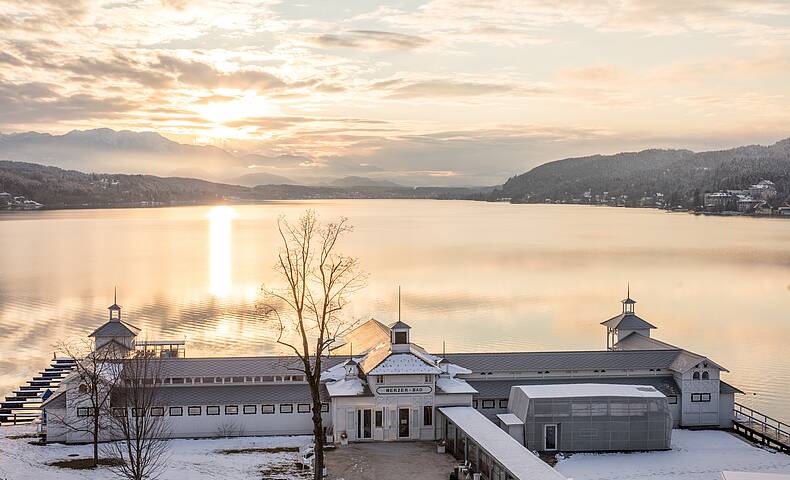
(478, 276)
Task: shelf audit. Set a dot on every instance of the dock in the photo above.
(761, 428)
(24, 404)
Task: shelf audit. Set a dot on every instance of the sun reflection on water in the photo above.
(220, 227)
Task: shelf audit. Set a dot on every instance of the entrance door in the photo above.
(403, 422)
(364, 424)
(550, 437)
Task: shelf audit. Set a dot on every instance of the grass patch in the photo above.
(285, 471)
(238, 451)
(86, 463)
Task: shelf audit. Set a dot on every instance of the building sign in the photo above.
(404, 390)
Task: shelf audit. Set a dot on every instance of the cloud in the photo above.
(118, 67)
(9, 59)
(369, 40)
(23, 103)
(438, 88)
(201, 74)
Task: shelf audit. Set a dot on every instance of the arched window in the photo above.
(695, 376)
(83, 388)
(705, 375)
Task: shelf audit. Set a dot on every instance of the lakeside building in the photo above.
(392, 389)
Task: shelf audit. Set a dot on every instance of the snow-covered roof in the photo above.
(116, 328)
(404, 364)
(346, 387)
(589, 390)
(520, 462)
(509, 419)
(451, 385)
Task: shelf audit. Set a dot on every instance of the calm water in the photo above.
(482, 277)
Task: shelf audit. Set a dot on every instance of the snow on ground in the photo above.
(189, 459)
(695, 455)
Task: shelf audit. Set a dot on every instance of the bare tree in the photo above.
(137, 420)
(95, 375)
(307, 310)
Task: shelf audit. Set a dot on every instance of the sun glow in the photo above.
(220, 223)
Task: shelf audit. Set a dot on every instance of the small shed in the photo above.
(592, 417)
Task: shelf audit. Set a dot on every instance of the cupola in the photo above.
(400, 337)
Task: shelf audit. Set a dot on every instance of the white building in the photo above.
(391, 388)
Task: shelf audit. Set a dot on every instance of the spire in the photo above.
(399, 303)
(115, 309)
(628, 302)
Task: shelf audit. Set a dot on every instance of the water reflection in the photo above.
(220, 222)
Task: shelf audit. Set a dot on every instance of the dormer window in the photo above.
(401, 338)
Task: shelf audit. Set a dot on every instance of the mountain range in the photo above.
(681, 175)
(107, 150)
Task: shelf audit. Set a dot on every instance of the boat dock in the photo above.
(24, 404)
(761, 428)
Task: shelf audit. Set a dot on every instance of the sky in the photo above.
(451, 92)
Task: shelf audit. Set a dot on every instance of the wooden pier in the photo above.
(761, 428)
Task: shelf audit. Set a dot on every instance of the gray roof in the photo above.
(233, 394)
(578, 360)
(238, 366)
(116, 328)
(398, 324)
(501, 388)
(627, 321)
(725, 387)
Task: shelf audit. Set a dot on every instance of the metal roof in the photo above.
(398, 324)
(501, 388)
(116, 328)
(573, 360)
(627, 321)
(238, 366)
(725, 387)
(232, 394)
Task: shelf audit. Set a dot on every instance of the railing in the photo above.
(772, 428)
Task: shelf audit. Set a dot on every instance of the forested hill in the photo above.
(58, 188)
(681, 175)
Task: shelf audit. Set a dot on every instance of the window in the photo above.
(212, 410)
(297, 378)
(208, 379)
(303, 408)
(194, 411)
(238, 379)
(267, 409)
(177, 380)
(177, 411)
(672, 399)
(488, 404)
(84, 412)
(427, 379)
(700, 397)
(695, 376)
(231, 409)
(401, 338)
(380, 379)
(503, 403)
(118, 412)
(138, 412)
(228, 379)
(267, 378)
(705, 375)
(427, 415)
(379, 418)
(286, 408)
(157, 411)
(250, 409)
(324, 407)
(474, 403)
(83, 388)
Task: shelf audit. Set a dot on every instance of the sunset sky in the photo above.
(463, 92)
